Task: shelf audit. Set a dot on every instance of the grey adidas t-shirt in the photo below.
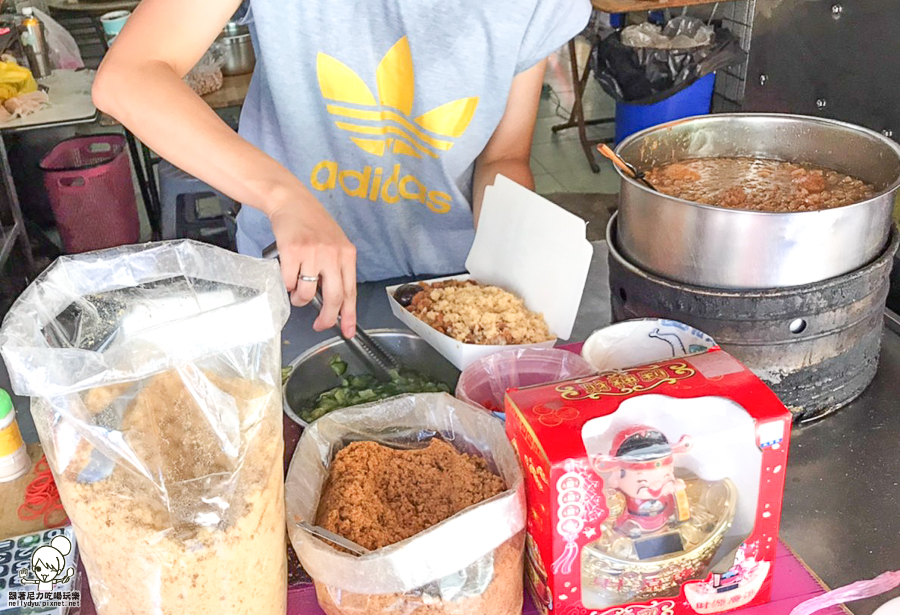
(381, 106)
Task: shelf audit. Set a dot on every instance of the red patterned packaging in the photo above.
(653, 490)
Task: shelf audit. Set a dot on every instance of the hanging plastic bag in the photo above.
(155, 381)
(64, 52)
(15, 80)
(469, 564)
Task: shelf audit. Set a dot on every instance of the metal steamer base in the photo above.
(817, 346)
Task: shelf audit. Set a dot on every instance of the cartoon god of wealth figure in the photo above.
(641, 467)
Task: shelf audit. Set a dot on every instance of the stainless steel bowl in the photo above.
(239, 55)
(725, 248)
(311, 374)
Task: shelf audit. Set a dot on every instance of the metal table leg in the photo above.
(98, 26)
(576, 117)
(149, 163)
(20, 236)
(150, 205)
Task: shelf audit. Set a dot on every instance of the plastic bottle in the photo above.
(14, 459)
(35, 44)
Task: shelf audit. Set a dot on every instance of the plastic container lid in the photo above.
(6, 405)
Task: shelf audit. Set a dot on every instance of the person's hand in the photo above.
(312, 245)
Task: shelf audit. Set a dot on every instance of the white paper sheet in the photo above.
(533, 248)
(529, 246)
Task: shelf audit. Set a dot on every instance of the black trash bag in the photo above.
(645, 75)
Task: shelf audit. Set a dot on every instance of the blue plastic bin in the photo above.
(696, 99)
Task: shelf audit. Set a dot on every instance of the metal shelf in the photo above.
(9, 207)
(8, 236)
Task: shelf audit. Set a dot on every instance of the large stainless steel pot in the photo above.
(311, 374)
(724, 248)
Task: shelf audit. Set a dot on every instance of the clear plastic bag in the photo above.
(485, 382)
(206, 76)
(679, 33)
(154, 373)
(469, 564)
(64, 52)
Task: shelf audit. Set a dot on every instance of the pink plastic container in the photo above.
(485, 382)
(88, 182)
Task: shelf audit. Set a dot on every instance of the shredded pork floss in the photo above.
(435, 552)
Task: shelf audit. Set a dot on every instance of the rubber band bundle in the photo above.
(42, 498)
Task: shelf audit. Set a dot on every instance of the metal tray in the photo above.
(311, 374)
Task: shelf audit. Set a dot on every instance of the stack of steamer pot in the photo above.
(798, 297)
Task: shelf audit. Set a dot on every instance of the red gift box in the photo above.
(654, 490)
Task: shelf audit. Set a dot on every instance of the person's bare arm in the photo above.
(140, 84)
(509, 150)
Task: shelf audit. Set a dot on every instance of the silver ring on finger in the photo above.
(309, 278)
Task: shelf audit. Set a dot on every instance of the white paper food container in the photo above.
(529, 246)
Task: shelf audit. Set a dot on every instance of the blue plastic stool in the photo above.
(696, 99)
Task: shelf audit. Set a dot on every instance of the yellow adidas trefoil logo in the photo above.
(388, 124)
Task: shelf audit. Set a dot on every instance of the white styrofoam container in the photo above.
(529, 246)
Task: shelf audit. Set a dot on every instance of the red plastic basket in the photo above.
(88, 182)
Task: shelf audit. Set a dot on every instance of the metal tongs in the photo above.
(380, 362)
(335, 539)
(626, 167)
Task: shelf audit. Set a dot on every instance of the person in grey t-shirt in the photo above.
(370, 130)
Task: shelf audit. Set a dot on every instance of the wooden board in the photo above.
(630, 6)
(233, 92)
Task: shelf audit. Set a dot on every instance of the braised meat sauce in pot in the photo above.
(758, 184)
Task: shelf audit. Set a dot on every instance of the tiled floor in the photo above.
(557, 159)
